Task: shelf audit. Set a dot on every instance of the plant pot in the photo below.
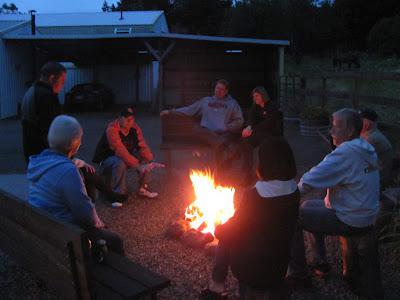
(314, 127)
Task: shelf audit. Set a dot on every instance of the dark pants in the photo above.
(115, 170)
(220, 142)
(94, 182)
(319, 221)
(33, 140)
(113, 240)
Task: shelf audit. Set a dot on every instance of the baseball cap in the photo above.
(127, 112)
(369, 114)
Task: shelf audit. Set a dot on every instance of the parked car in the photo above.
(88, 96)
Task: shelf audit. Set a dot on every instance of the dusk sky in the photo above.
(58, 6)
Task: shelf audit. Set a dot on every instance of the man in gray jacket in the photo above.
(221, 118)
(351, 176)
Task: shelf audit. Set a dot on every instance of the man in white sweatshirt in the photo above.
(350, 174)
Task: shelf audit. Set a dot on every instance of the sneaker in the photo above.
(116, 204)
(320, 270)
(145, 192)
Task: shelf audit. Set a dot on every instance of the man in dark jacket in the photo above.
(40, 106)
(256, 241)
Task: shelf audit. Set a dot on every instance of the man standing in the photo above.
(123, 146)
(383, 148)
(350, 175)
(221, 118)
(56, 186)
(40, 106)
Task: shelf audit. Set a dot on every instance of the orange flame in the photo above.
(213, 205)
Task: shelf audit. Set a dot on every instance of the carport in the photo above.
(188, 65)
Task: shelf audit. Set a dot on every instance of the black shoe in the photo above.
(302, 282)
(207, 294)
(320, 270)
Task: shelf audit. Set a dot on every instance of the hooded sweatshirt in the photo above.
(351, 175)
(221, 115)
(56, 187)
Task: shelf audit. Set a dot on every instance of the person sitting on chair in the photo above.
(350, 175)
(56, 186)
(122, 146)
(255, 243)
(221, 119)
(265, 120)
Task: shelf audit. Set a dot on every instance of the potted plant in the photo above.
(314, 121)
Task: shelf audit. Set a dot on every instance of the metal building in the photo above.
(135, 55)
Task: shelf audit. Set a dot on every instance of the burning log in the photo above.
(177, 229)
(196, 239)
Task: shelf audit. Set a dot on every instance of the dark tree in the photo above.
(105, 7)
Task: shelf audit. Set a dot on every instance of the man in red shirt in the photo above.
(122, 146)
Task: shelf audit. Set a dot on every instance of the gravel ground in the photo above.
(142, 223)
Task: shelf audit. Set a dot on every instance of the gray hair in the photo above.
(64, 130)
(351, 118)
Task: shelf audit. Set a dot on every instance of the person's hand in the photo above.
(164, 112)
(149, 166)
(247, 132)
(79, 163)
(99, 224)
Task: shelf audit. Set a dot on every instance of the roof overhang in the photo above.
(204, 38)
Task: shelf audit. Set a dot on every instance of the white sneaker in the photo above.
(146, 193)
(116, 204)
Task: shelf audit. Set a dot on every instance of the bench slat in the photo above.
(107, 276)
(135, 271)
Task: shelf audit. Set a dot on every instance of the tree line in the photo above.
(312, 26)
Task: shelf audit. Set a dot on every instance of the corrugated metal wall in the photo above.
(146, 82)
(15, 72)
(75, 76)
(121, 79)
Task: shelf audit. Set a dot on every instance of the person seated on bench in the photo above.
(56, 186)
(265, 120)
(350, 175)
(383, 147)
(256, 241)
(123, 146)
(221, 119)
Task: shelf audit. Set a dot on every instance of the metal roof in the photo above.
(12, 36)
(98, 18)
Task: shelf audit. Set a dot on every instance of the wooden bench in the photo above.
(59, 253)
(177, 134)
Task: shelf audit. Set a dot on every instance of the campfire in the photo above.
(213, 205)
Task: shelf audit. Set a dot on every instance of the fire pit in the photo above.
(214, 205)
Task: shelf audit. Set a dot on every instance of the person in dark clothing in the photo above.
(265, 120)
(40, 106)
(256, 241)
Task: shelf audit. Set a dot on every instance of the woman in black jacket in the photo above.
(256, 241)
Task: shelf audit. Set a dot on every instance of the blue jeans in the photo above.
(115, 169)
(319, 221)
